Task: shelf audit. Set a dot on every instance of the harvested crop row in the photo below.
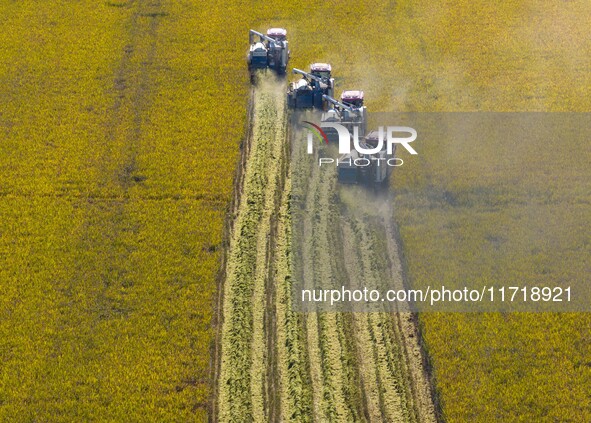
(380, 386)
(386, 342)
(335, 396)
(243, 343)
(295, 396)
(384, 381)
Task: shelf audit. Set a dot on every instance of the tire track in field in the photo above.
(132, 90)
(107, 233)
(104, 257)
(117, 164)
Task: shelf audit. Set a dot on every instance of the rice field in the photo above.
(121, 125)
(111, 217)
(477, 57)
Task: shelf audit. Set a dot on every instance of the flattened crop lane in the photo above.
(333, 370)
(115, 160)
(132, 95)
(362, 366)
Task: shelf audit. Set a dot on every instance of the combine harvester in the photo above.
(349, 112)
(308, 92)
(269, 52)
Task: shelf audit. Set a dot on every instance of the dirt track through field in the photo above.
(276, 363)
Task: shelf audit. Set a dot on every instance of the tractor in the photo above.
(308, 92)
(269, 52)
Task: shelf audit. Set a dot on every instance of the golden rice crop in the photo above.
(115, 182)
(515, 56)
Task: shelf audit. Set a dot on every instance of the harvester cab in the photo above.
(353, 98)
(269, 51)
(308, 92)
(321, 70)
(349, 112)
(367, 169)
